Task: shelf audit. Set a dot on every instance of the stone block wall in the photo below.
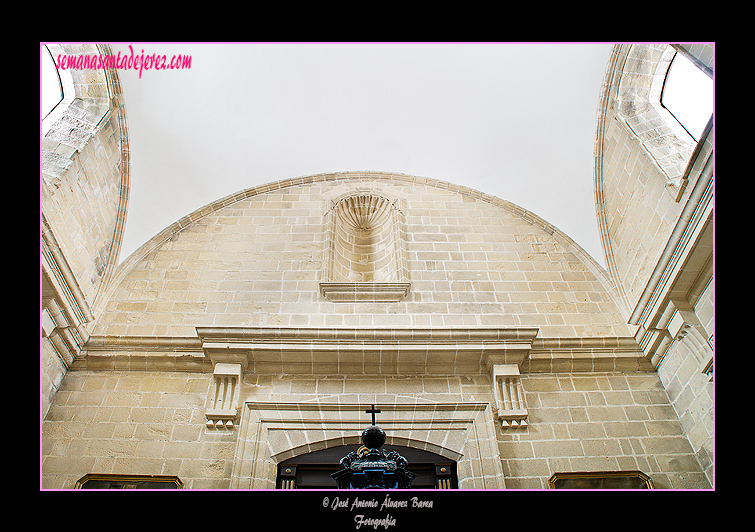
(258, 259)
(641, 194)
(85, 171)
(144, 423)
(84, 187)
(83, 213)
(152, 423)
(599, 422)
(83, 210)
(640, 211)
(654, 194)
(690, 387)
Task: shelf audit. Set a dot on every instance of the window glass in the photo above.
(52, 89)
(688, 95)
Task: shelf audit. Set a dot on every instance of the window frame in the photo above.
(46, 112)
(639, 74)
(598, 479)
(669, 106)
(140, 482)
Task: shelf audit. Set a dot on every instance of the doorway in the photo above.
(313, 470)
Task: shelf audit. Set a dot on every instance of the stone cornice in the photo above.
(367, 351)
(362, 351)
(334, 335)
(567, 355)
(142, 353)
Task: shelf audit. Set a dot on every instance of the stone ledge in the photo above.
(568, 355)
(364, 292)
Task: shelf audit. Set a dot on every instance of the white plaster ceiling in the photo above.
(513, 120)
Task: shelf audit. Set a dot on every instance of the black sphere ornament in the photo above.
(372, 467)
(373, 437)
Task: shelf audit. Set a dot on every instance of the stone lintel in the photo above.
(369, 351)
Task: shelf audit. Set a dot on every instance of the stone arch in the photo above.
(636, 75)
(90, 97)
(630, 96)
(84, 182)
(310, 469)
(92, 105)
(638, 102)
(354, 439)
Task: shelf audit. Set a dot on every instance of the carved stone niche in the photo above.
(509, 398)
(366, 260)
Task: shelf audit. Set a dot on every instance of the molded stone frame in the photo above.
(272, 432)
(602, 480)
(366, 259)
(345, 351)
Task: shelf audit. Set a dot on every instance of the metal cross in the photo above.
(372, 411)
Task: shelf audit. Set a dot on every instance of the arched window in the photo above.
(688, 95)
(639, 88)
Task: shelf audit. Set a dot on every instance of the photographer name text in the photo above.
(360, 520)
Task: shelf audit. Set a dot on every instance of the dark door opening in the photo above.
(313, 470)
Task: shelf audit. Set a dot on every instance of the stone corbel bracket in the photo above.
(678, 322)
(223, 407)
(509, 398)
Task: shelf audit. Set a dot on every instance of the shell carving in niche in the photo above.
(365, 240)
(366, 251)
(364, 212)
